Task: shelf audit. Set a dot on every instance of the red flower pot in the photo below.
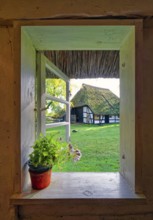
(40, 180)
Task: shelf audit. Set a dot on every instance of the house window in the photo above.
(122, 38)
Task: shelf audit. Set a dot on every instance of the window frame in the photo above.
(138, 187)
(43, 64)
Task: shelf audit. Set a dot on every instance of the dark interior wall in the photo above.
(147, 131)
(9, 122)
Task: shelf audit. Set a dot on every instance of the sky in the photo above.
(111, 84)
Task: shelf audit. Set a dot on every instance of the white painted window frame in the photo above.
(42, 64)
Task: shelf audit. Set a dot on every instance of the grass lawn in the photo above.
(99, 146)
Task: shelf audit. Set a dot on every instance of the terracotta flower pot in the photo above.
(40, 180)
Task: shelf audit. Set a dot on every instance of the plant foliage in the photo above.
(57, 88)
(48, 151)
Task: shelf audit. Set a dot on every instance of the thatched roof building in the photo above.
(100, 101)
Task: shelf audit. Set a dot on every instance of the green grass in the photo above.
(99, 146)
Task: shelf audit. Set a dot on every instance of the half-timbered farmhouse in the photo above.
(93, 105)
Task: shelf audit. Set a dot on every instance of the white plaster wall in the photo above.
(127, 108)
(28, 65)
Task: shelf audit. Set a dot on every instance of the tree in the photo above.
(56, 88)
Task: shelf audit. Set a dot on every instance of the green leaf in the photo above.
(45, 154)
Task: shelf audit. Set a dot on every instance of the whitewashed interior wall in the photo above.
(28, 68)
(127, 108)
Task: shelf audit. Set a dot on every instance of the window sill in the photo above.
(81, 186)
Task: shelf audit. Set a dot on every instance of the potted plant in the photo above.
(47, 151)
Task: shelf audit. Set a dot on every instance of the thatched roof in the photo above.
(86, 64)
(101, 101)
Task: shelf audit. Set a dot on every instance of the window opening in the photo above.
(120, 38)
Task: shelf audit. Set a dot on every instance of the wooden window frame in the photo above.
(44, 63)
(138, 81)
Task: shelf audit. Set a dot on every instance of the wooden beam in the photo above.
(10, 169)
(69, 8)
